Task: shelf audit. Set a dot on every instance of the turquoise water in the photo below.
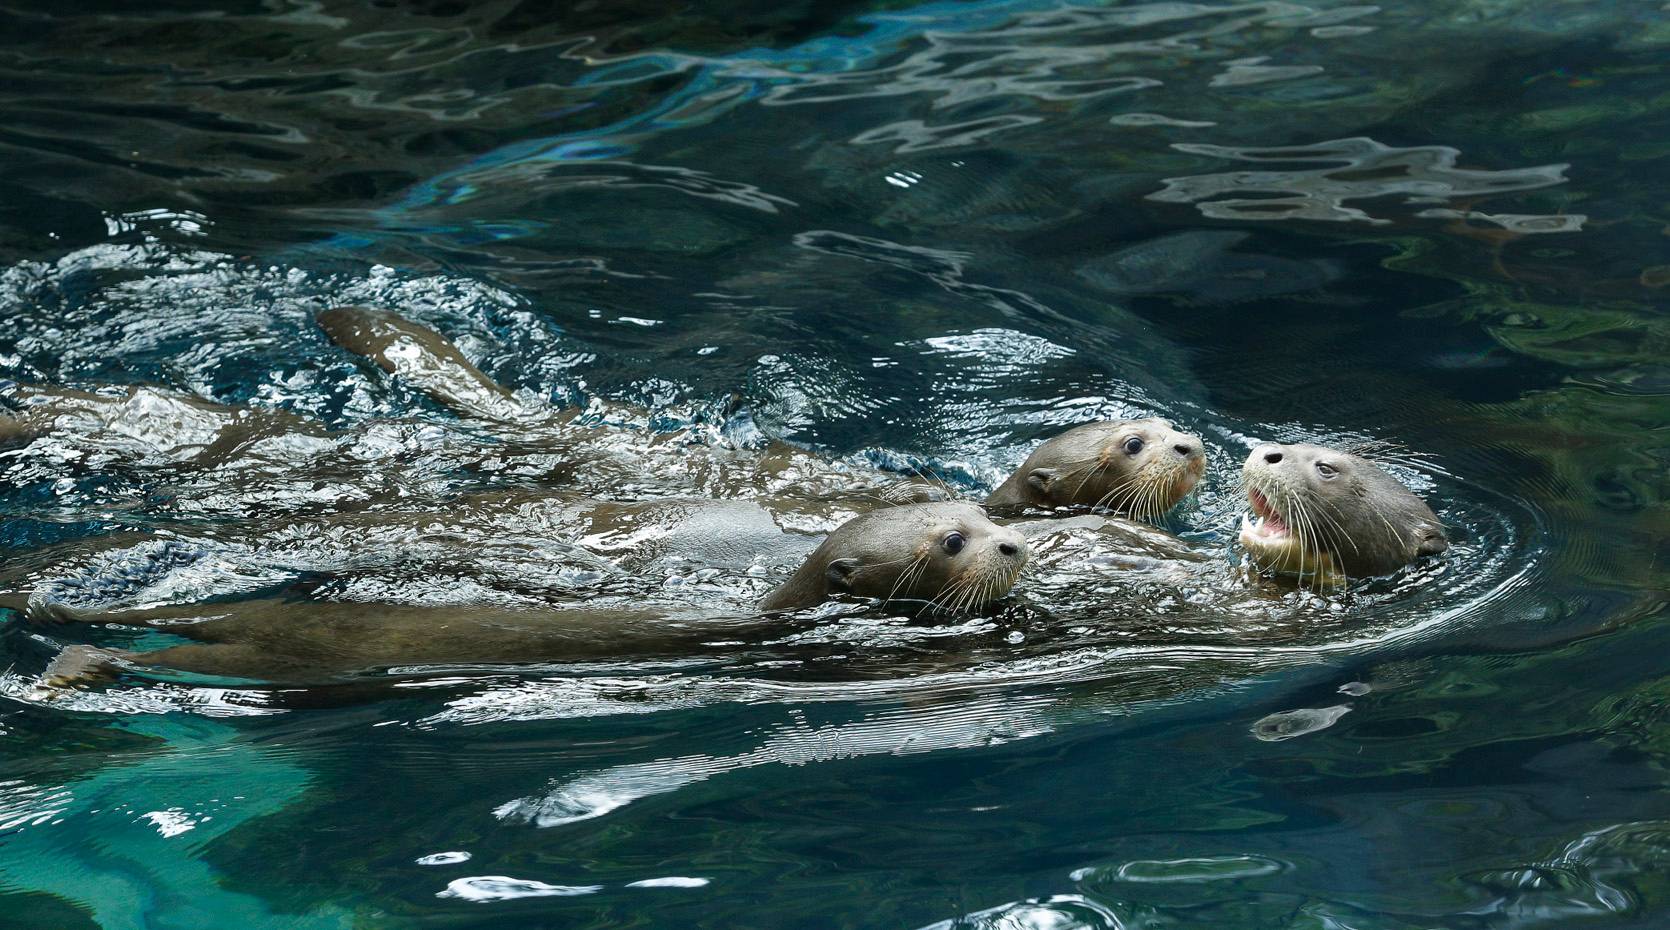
(918, 238)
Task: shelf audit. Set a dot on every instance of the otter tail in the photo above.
(424, 359)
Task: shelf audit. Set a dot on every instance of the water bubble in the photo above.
(444, 858)
(485, 888)
(671, 881)
(1291, 723)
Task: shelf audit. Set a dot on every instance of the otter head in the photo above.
(946, 554)
(1330, 514)
(1139, 468)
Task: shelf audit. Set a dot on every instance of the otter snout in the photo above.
(1187, 446)
(1012, 545)
(1265, 453)
(1004, 553)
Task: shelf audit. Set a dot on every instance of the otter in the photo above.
(945, 556)
(1329, 515)
(1136, 468)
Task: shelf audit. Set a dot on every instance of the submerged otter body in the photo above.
(311, 642)
(1328, 514)
(1138, 468)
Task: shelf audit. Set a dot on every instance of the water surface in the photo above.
(906, 239)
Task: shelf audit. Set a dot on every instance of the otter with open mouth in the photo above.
(1134, 468)
(1327, 515)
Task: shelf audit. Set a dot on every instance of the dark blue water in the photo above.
(914, 238)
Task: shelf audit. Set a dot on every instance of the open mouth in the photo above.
(1275, 547)
(1265, 521)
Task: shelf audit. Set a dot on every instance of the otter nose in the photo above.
(1267, 451)
(1009, 548)
(1185, 449)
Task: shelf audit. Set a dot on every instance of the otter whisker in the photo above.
(1339, 530)
(904, 576)
(1103, 499)
(910, 573)
(1156, 489)
(966, 598)
(1133, 503)
(1292, 512)
(1386, 450)
(1104, 502)
(946, 590)
(959, 598)
(980, 591)
(1138, 506)
(921, 472)
(1389, 527)
(1296, 523)
(971, 595)
(1122, 494)
(989, 590)
(1308, 536)
(1100, 466)
(1311, 520)
(1083, 469)
(1129, 496)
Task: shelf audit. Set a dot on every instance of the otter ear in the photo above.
(1040, 479)
(1433, 540)
(839, 574)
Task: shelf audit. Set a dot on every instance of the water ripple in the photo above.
(1359, 169)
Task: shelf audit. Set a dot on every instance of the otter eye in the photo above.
(954, 543)
(1326, 470)
(1133, 445)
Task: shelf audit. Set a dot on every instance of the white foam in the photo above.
(486, 888)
